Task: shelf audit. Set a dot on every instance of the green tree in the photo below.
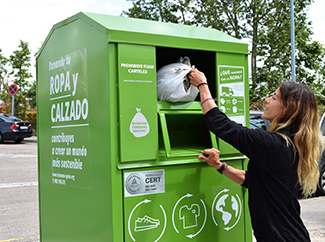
(4, 97)
(265, 23)
(32, 95)
(274, 50)
(3, 71)
(239, 18)
(20, 62)
(160, 10)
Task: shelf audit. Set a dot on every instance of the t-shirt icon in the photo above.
(189, 215)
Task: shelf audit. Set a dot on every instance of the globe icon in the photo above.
(227, 207)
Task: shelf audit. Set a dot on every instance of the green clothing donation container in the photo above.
(114, 163)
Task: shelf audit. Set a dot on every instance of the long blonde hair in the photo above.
(302, 120)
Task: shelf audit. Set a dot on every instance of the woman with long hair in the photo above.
(281, 159)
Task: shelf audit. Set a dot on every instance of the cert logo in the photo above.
(133, 183)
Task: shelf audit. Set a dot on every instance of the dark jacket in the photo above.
(271, 179)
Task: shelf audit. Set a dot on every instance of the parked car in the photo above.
(257, 122)
(13, 128)
(321, 184)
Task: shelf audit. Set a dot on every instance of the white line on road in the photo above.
(19, 184)
(16, 156)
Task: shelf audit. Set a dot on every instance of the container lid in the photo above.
(147, 32)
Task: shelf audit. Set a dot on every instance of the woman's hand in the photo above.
(212, 157)
(196, 77)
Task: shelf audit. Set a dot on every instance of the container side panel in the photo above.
(137, 102)
(178, 203)
(232, 91)
(74, 166)
(116, 174)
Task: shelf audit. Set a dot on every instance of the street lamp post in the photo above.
(293, 64)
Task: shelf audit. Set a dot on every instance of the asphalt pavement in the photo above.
(19, 221)
(313, 215)
(19, 191)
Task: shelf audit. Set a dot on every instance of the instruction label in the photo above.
(144, 182)
(69, 139)
(232, 92)
(137, 94)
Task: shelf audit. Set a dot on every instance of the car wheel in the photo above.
(17, 141)
(1, 138)
(321, 188)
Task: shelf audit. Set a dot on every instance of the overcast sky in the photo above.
(32, 20)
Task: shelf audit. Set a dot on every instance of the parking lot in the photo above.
(19, 191)
(19, 196)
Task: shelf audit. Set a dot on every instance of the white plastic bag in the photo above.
(172, 83)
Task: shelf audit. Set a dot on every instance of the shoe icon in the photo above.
(146, 223)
